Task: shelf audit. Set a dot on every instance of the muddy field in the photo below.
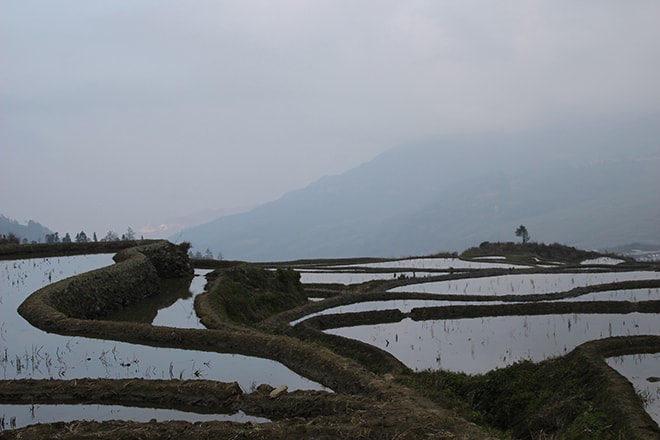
(371, 397)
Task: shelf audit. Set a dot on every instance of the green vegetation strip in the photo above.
(572, 397)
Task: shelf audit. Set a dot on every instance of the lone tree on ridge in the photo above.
(522, 233)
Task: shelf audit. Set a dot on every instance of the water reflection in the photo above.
(437, 263)
(27, 352)
(633, 295)
(18, 416)
(643, 371)
(182, 313)
(346, 278)
(171, 290)
(404, 305)
(518, 284)
(478, 345)
(173, 307)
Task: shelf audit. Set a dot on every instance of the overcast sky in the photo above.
(147, 112)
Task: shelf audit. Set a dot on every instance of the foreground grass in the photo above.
(559, 398)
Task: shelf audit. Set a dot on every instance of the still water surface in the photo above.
(27, 352)
(643, 371)
(519, 284)
(18, 416)
(478, 345)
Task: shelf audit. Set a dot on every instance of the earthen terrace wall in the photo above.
(94, 294)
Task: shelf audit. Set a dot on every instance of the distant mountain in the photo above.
(32, 231)
(639, 251)
(451, 195)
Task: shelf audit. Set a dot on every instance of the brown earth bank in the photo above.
(38, 250)
(368, 401)
(202, 396)
(337, 428)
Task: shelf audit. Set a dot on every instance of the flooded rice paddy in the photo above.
(633, 295)
(643, 371)
(521, 284)
(346, 278)
(437, 263)
(478, 345)
(406, 305)
(27, 352)
(181, 314)
(470, 345)
(30, 353)
(18, 416)
(608, 261)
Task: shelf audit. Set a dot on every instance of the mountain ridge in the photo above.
(433, 197)
(31, 231)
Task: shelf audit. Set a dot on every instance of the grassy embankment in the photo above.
(558, 398)
(247, 295)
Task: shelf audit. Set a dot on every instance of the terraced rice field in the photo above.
(477, 345)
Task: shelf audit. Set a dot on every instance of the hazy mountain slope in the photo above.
(597, 207)
(32, 231)
(450, 196)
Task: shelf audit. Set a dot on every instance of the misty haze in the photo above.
(256, 130)
(329, 219)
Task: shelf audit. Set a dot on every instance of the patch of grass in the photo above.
(527, 252)
(556, 398)
(449, 390)
(247, 294)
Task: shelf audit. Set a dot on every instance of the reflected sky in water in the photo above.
(638, 369)
(18, 416)
(27, 352)
(478, 345)
(521, 284)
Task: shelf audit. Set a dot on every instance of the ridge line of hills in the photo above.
(434, 197)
